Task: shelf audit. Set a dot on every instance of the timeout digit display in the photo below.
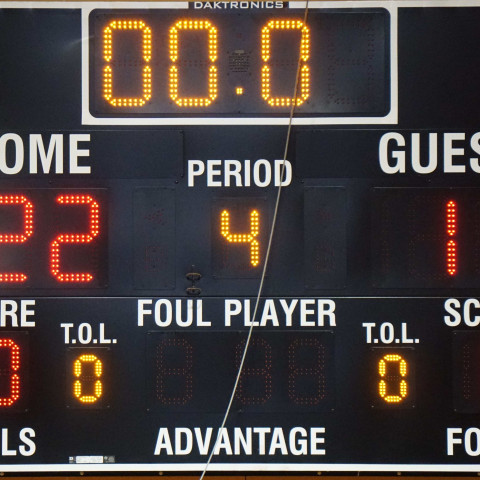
(395, 373)
(88, 376)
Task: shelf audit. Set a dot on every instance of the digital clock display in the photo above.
(164, 63)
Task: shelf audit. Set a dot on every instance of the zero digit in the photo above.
(108, 74)
(11, 370)
(387, 377)
(173, 77)
(78, 385)
(304, 79)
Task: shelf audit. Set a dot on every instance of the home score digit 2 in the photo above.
(53, 237)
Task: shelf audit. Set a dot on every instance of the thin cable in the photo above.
(265, 263)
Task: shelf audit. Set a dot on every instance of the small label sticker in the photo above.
(92, 459)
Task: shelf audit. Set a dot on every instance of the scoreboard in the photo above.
(175, 176)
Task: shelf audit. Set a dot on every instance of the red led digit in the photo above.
(17, 277)
(174, 382)
(255, 384)
(75, 238)
(10, 371)
(451, 217)
(306, 377)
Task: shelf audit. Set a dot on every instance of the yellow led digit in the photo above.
(173, 79)
(250, 237)
(385, 364)
(304, 80)
(87, 361)
(108, 75)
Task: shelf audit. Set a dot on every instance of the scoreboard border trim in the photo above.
(391, 118)
(242, 467)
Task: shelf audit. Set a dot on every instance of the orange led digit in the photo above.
(78, 371)
(304, 80)
(108, 75)
(451, 217)
(243, 237)
(384, 365)
(173, 80)
(75, 238)
(17, 237)
(13, 366)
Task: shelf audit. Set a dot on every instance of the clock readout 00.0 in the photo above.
(163, 62)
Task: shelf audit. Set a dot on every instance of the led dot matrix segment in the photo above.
(426, 237)
(81, 364)
(75, 238)
(108, 74)
(50, 237)
(17, 237)
(466, 371)
(304, 81)
(386, 363)
(193, 25)
(87, 383)
(255, 383)
(307, 379)
(250, 237)
(14, 371)
(284, 371)
(239, 233)
(174, 374)
(395, 377)
(451, 215)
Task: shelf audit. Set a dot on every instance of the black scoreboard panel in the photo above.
(141, 150)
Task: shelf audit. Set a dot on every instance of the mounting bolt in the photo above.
(193, 277)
